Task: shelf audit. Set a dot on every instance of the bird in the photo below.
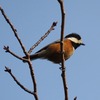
(52, 51)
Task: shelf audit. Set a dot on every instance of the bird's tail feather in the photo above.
(32, 57)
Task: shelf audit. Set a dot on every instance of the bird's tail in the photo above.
(32, 57)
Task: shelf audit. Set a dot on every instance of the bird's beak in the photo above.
(83, 44)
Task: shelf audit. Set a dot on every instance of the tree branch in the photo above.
(62, 49)
(17, 82)
(6, 48)
(13, 29)
(28, 60)
(33, 80)
(43, 37)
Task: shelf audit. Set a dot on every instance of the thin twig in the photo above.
(33, 80)
(28, 60)
(43, 37)
(6, 48)
(14, 30)
(17, 82)
(62, 49)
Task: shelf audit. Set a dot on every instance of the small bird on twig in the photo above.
(52, 52)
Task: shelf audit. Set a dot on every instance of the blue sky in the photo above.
(32, 19)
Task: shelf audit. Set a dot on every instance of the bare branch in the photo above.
(61, 2)
(6, 48)
(43, 37)
(33, 80)
(28, 60)
(17, 82)
(13, 29)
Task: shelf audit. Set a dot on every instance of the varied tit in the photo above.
(52, 52)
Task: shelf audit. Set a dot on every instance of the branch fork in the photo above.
(6, 48)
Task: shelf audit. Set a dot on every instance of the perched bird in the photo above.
(52, 52)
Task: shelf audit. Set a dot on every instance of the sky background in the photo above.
(32, 18)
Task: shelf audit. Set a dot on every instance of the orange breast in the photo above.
(54, 54)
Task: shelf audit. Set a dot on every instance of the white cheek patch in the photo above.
(75, 40)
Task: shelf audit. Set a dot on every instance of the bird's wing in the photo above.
(44, 48)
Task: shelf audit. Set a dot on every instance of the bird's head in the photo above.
(75, 39)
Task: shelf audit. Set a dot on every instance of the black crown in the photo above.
(73, 35)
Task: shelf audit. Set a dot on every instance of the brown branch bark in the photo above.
(43, 37)
(17, 82)
(28, 60)
(13, 29)
(61, 2)
(33, 80)
(6, 48)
